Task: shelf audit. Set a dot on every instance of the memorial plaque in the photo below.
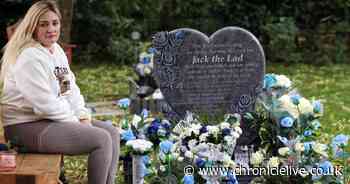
(212, 75)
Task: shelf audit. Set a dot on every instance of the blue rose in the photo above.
(179, 35)
(152, 50)
(124, 103)
(340, 139)
(203, 130)
(308, 146)
(326, 167)
(165, 146)
(188, 179)
(144, 113)
(287, 122)
(307, 133)
(269, 81)
(232, 178)
(146, 160)
(318, 107)
(200, 162)
(226, 131)
(145, 60)
(295, 99)
(128, 135)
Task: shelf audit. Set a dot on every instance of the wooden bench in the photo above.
(33, 169)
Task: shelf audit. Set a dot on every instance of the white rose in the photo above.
(189, 154)
(136, 120)
(162, 168)
(299, 147)
(273, 162)
(192, 143)
(235, 135)
(257, 158)
(214, 130)
(203, 137)
(238, 130)
(224, 125)
(287, 105)
(283, 81)
(305, 106)
(180, 159)
(283, 151)
(320, 149)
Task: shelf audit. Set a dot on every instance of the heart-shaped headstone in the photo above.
(215, 75)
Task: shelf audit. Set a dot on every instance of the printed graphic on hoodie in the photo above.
(62, 75)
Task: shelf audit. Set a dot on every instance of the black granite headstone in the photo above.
(216, 75)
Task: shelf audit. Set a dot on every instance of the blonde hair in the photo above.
(24, 34)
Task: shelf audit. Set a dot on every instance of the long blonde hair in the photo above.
(24, 34)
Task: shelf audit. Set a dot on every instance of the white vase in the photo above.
(137, 165)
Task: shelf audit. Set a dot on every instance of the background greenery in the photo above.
(291, 31)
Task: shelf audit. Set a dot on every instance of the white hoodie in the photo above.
(41, 86)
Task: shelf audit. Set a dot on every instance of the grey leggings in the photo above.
(100, 141)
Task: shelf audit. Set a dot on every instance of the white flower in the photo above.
(305, 106)
(162, 168)
(273, 162)
(320, 149)
(176, 155)
(192, 143)
(214, 130)
(283, 151)
(136, 120)
(180, 159)
(257, 158)
(229, 139)
(203, 137)
(140, 145)
(196, 128)
(287, 105)
(224, 125)
(299, 147)
(157, 94)
(228, 162)
(283, 81)
(235, 135)
(238, 130)
(189, 154)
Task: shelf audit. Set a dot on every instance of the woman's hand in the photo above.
(85, 122)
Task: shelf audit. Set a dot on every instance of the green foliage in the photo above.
(282, 40)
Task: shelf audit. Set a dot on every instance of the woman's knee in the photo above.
(102, 138)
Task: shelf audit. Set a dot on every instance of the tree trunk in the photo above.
(66, 8)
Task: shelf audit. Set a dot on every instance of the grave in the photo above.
(212, 75)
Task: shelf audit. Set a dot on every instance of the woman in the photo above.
(42, 108)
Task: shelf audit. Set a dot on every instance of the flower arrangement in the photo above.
(291, 135)
(207, 145)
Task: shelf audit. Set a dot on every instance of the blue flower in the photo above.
(152, 50)
(124, 103)
(226, 131)
(3, 147)
(295, 99)
(326, 167)
(146, 160)
(269, 81)
(203, 130)
(146, 60)
(165, 146)
(200, 162)
(340, 139)
(318, 107)
(128, 135)
(188, 179)
(308, 146)
(307, 133)
(144, 113)
(232, 178)
(179, 35)
(287, 122)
